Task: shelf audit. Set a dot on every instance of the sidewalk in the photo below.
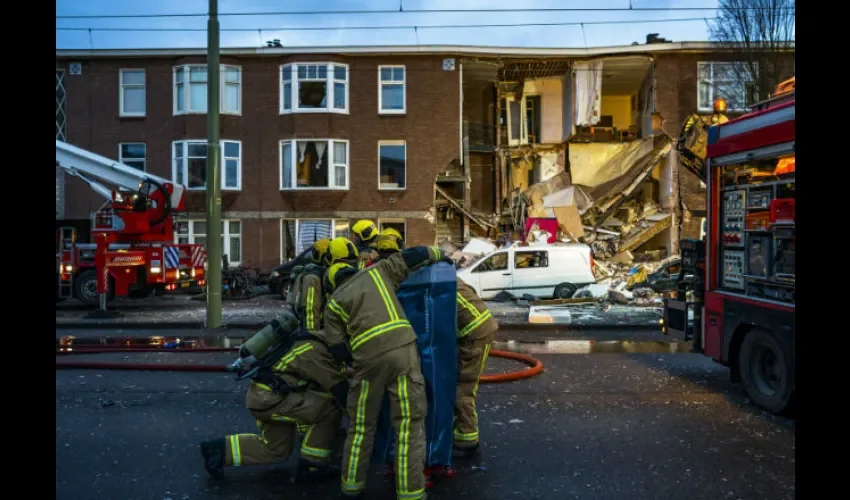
(175, 312)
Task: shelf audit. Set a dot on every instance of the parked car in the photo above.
(279, 278)
(547, 271)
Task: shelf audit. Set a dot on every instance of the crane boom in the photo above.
(77, 160)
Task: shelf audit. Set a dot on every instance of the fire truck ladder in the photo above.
(67, 237)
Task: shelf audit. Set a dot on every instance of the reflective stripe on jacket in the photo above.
(474, 320)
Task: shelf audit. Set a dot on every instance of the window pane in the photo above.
(234, 227)
(231, 97)
(181, 99)
(231, 75)
(339, 95)
(200, 227)
(312, 95)
(197, 172)
(231, 173)
(302, 72)
(340, 72)
(398, 74)
(129, 151)
(183, 227)
(323, 71)
(183, 240)
(287, 72)
(286, 155)
(178, 74)
(198, 93)
(198, 74)
(392, 166)
(341, 228)
(235, 249)
(386, 74)
(134, 100)
(231, 149)
(133, 77)
(392, 97)
(311, 163)
(339, 152)
(200, 240)
(287, 96)
(178, 169)
(339, 177)
(139, 164)
(198, 149)
(704, 94)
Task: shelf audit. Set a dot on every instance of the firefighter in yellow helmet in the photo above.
(365, 239)
(365, 326)
(389, 242)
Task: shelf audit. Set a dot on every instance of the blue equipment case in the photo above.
(429, 298)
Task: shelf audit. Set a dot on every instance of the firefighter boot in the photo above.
(308, 472)
(213, 453)
(458, 452)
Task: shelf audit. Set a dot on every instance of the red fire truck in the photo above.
(132, 251)
(737, 294)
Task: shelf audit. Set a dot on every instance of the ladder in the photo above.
(65, 240)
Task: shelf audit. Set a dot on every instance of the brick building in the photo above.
(314, 139)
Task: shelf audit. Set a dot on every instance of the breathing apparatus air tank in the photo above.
(265, 341)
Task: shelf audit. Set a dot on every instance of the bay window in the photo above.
(297, 235)
(195, 231)
(313, 164)
(314, 88)
(190, 89)
(189, 164)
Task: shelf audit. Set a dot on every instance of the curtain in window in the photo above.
(588, 78)
(310, 231)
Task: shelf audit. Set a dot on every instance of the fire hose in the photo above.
(534, 369)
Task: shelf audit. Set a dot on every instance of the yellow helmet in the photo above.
(336, 273)
(365, 230)
(391, 240)
(320, 248)
(720, 105)
(341, 248)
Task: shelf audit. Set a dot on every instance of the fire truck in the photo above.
(132, 252)
(736, 293)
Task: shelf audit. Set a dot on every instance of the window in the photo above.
(392, 164)
(391, 90)
(311, 164)
(195, 231)
(496, 262)
(132, 97)
(729, 80)
(397, 224)
(313, 88)
(190, 164)
(524, 260)
(190, 89)
(297, 235)
(60, 105)
(132, 154)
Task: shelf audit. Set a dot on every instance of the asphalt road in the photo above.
(592, 426)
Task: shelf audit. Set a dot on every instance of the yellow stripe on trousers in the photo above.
(404, 436)
(480, 371)
(310, 297)
(359, 432)
(235, 452)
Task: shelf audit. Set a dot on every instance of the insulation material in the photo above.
(588, 86)
(594, 164)
(571, 196)
(569, 221)
(479, 246)
(549, 165)
(536, 192)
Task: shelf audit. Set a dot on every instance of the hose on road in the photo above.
(535, 366)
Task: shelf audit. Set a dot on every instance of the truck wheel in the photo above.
(85, 288)
(565, 290)
(766, 371)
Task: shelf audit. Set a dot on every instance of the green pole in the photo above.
(213, 172)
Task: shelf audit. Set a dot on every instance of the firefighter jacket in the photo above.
(474, 320)
(364, 315)
(294, 288)
(367, 256)
(308, 365)
(310, 298)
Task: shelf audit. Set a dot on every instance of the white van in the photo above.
(544, 271)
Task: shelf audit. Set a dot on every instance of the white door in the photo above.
(493, 275)
(517, 128)
(532, 274)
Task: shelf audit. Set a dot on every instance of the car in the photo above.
(279, 278)
(543, 271)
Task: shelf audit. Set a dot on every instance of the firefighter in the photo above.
(365, 326)
(292, 290)
(476, 330)
(310, 299)
(306, 388)
(365, 239)
(389, 242)
(717, 118)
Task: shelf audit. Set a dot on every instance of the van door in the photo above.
(532, 274)
(493, 275)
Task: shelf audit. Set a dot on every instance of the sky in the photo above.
(263, 27)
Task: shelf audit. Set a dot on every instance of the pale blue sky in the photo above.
(558, 36)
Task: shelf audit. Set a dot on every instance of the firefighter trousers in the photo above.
(398, 374)
(471, 361)
(278, 419)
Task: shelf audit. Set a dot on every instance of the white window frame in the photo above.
(392, 143)
(122, 86)
(187, 89)
(393, 220)
(143, 160)
(225, 234)
(710, 107)
(330, 80)
(283, 221)
(403, 83)
(332, 164)
(185, 164)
